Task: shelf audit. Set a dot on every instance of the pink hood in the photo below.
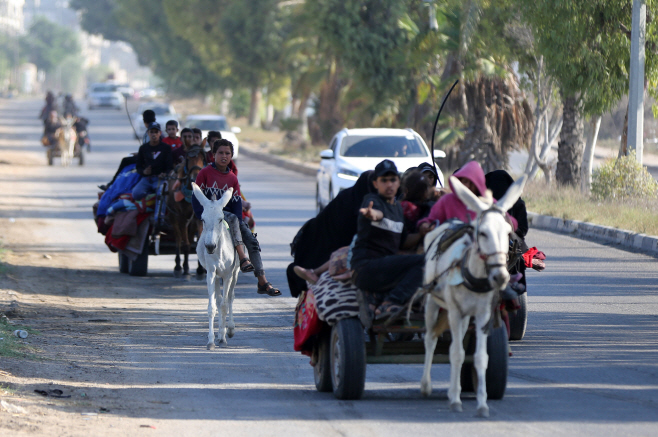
(474, 173)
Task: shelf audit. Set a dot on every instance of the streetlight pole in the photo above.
(635, 139)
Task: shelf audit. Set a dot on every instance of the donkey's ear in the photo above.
(513, 193)
(226, 198)
(203, 200)
(471, 201)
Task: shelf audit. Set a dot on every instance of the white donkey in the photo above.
(465, 280)
(217, 255)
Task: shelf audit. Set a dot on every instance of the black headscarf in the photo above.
(498, 181)
(333, 228)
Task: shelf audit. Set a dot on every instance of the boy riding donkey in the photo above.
(214, 180)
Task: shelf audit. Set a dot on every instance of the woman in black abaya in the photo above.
(333, 228)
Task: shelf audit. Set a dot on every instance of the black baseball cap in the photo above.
(385, 167)
(155, 125)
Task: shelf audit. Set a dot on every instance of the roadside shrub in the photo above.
(623, 178)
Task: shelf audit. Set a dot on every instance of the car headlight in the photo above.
(347, 174)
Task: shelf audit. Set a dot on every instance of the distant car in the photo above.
(105, 95)
(127, 91)
(208, 122)
(147, 94)
(353, 151)
(163, 113)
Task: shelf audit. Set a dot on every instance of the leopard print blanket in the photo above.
(335, 300)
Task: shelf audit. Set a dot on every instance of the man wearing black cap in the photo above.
(377, 267)
(154, 162)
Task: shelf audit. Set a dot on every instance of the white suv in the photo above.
(105, 95)
(353, 151)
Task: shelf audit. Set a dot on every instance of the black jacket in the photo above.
(158, 157)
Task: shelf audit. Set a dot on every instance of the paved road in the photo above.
(588, 364)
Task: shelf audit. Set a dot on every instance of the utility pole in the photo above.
(635, 139)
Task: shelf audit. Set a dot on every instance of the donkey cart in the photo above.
(345, 343)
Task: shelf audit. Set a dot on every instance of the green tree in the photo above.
(587, 50)
(48, 43)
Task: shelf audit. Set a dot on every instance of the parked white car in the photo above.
(104, 95)
(353, 151)
(163, 113)
(208, 122)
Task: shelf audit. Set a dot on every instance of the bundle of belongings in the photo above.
(121, 219)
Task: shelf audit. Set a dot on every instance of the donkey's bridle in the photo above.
(480, 285)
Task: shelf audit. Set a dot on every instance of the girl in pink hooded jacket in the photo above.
(450, 207)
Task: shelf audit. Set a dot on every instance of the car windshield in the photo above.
(105, 88)
(217, 125)
(382, 147)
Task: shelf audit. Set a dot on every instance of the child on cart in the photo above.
(215, 179)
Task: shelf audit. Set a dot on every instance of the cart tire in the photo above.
(322, 369)
(348, 359)
(498, 351)
(519, 321)
(466, 378)
(318, 203)
(49, 154)
(124, 263)
(139, 267)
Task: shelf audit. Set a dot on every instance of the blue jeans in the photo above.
(146, 185)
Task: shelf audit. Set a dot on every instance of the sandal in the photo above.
(307, 274)
(386, 310)
(268, 289)
(249, 267)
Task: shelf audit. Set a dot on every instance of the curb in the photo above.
(300, 167)
(626, 240)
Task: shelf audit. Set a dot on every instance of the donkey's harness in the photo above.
(186, 180)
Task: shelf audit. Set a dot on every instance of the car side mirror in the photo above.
(236, 130)
(327, 154)
(439, 154)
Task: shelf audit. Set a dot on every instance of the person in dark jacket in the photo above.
(334, 227)
(154, 162)
(498, 181)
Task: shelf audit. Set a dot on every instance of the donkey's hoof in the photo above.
(187, 277)
(230, 332)
(178, 273)
(200, 276)
(456, 407)
(425, 389)
(211, 346)
(483, 412)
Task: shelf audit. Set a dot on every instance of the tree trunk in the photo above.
(499, 120)
(302, 116)
(570, 146)
(588, 156)
(254, 107)
(623, 147)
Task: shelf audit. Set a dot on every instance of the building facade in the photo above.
(11, 17)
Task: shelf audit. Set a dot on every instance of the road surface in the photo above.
(131, 351)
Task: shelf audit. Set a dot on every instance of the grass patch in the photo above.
(637, 215)
(12, 346)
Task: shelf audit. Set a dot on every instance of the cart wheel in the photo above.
(322, 369)
(519, 321)
(81, 161)
(467, 377)
(49, 154)
(124, 263)
(348, 359)
(496, 376)
(498, 351)
(139, 267)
